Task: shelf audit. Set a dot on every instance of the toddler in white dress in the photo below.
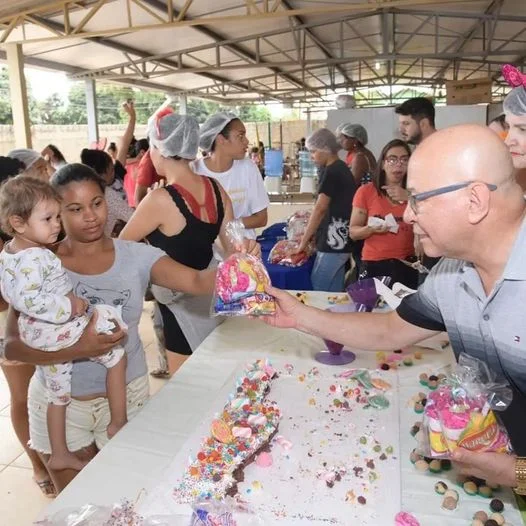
(52, 318)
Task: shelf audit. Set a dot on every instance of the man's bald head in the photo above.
(457, 154)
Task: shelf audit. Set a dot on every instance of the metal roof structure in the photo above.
(244, 51)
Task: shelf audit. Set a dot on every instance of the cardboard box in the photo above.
(473, 91)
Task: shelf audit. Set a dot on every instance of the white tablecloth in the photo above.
(135, 459)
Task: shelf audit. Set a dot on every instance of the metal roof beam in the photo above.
(459, 14)
(226, 43)
(206, 20)
(492, 10)
(319, 44)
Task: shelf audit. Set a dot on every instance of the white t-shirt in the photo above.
(244, 184)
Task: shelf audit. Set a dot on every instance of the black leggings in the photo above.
(398, 271)
(175, 340)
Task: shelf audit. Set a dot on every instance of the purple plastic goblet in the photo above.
(335, 354)
(363, 292)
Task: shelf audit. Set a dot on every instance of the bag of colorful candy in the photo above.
(461, 412)
(296, 225)
(283, 254)
(240, 282)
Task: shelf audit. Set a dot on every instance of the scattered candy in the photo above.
(379, 402)
(498, 518)
(449, 503)
(422, 466)
(477, 522)
(414, 456)
(423, 379)
(481, 516)
(441, 487)
(470, 487)
(419, 407)
(451, 493)
(491, 522)
(264, 460)
(485, 491)
(361, 500)
(496, 505)
(406, 519)
(418, 355)
(408, 361)
(435, 466)
(221, 432)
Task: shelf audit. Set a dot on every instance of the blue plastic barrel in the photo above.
(274, 163)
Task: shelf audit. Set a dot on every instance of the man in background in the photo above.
(416, 120)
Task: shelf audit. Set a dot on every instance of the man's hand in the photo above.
(92, 344)
(396, 193)
(288, 310)
(495, 468)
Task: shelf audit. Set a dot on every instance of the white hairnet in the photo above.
(174, 135)
(26, 156)
(213, 127)
(515, 101)
(355, 131)
(324, 140)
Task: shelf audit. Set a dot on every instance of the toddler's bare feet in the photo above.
(114, 427)
(66, 460)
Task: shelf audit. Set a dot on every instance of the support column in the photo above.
(91, 108)
(18, 90)
(309, 123)
(183, 104)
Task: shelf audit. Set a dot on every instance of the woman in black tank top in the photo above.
(184, 219)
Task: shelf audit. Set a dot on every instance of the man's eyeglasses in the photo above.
(414, 199)
(392, 160)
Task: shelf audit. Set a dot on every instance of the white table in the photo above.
(136, 457)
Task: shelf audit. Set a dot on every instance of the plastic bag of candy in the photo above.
(227, 512)
(297, 224)
(240, 283)
(461, 412)
(283, 254)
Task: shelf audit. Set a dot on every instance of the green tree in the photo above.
(6, 115)
(253, 113)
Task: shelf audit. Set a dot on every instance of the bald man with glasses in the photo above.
(466, 207)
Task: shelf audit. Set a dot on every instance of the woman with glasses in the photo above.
(384, 249)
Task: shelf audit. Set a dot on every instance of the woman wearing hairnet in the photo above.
(515, 110)
(183, 219)
(34, 164)
(329, 221)
(225, 138)
(353, 139)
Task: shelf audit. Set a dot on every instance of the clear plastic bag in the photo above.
(461, 412)
(227, 512)
(282, 254)
(297, 224)
(240, 282)
(122, 514)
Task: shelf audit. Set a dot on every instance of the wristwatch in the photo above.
(520, 474)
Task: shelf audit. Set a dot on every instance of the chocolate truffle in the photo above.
(496, 505)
